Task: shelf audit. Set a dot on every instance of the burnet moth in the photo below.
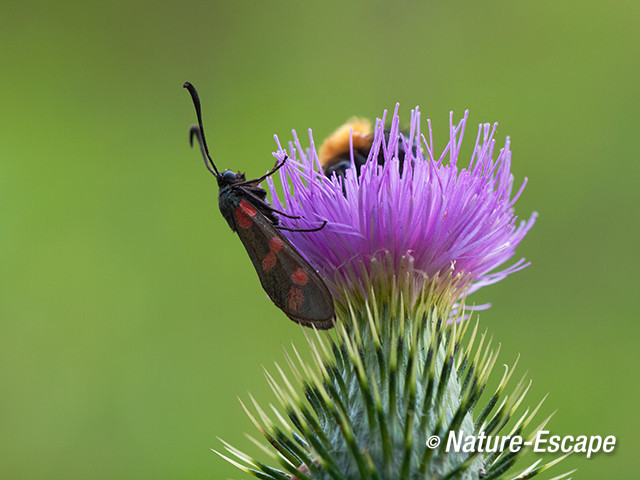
(289, 280)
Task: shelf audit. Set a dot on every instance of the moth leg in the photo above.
(279, 227)
(294, 217)
(255, 181)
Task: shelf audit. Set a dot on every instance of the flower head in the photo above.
(423, 221)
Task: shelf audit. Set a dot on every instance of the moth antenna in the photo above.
(200, 130)
(194, 131)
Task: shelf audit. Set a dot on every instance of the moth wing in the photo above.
(289, 280)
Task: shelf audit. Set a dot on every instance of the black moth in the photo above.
(289, 280)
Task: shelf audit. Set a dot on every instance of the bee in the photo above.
(335, 151)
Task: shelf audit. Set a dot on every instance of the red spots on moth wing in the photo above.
(276, 244)
(299, 276)
(244, 220)
(295, 297)
(248, 208)
(269, 261)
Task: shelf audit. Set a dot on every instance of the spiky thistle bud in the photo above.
(404, 242)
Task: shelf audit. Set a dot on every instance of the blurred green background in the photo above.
(130, 316)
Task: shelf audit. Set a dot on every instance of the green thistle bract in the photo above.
(383, 382)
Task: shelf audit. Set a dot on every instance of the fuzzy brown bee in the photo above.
(335, 151)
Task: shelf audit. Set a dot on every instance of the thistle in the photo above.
(404, 243)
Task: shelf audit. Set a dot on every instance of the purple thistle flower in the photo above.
(434, 225)
(398, 244)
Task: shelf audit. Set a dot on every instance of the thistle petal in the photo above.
(429, 221)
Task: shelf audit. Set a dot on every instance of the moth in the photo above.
(286, 276)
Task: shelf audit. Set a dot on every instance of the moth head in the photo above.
(229, 177)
